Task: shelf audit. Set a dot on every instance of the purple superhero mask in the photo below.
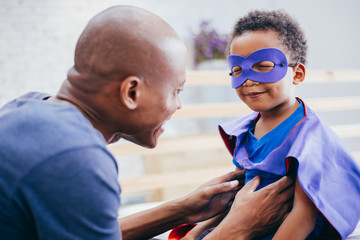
(266, 65)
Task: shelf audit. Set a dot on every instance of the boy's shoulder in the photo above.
(312, 122)
(238, 125)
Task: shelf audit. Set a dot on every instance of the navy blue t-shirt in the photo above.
(57, 178)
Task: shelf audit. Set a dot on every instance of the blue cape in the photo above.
(327, 172)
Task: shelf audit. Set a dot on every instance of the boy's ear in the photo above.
(299, 71)
(130, 89)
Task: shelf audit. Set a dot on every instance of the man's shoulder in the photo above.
(32, 130)
(47, 121)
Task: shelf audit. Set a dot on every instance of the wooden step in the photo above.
(233, 109)
(203, 142)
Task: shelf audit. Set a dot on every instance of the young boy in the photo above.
(267, 60)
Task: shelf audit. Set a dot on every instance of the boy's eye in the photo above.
(237, 70)
(265, 66)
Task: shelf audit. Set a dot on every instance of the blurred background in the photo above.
(38, 37)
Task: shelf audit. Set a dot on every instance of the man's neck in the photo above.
(65, 97)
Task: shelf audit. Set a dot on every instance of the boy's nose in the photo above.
(250, 83)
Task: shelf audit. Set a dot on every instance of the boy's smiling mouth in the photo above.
(254, 94)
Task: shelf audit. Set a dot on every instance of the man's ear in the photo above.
(130, 89)
(299, 71)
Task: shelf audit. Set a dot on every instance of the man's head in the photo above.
(129, 68)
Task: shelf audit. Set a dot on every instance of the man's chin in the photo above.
(148, 140)
(115, 138)
(155, 137)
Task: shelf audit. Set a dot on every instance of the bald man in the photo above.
(59, 181)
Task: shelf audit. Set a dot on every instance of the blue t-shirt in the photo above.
(57, 178)
(258, 149)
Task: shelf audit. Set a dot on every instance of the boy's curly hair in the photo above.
(288, 29)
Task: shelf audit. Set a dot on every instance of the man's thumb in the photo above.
(252, 185)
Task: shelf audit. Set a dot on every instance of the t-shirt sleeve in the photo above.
(74, 195)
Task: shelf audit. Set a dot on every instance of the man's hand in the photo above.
(208, 200)
(212, 197)
(257, 213)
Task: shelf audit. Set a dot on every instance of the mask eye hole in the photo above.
(265, 66)
(236, 71)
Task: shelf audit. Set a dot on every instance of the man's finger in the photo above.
(287, 194)
(231, 176)
(221, 187)
(251, 185)
(285, 211)
(282, 184)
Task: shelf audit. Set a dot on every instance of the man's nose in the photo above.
(178, 103)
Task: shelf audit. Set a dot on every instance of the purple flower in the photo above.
(208, 43)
